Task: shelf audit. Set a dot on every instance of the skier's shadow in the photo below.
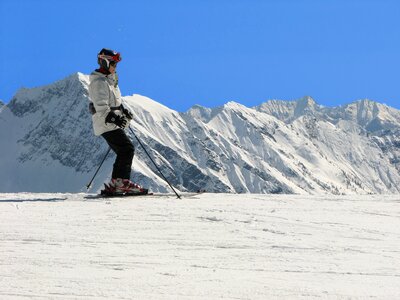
(32, 200)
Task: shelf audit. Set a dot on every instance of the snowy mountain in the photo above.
(277, 147)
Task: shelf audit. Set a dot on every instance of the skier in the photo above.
(110, 118)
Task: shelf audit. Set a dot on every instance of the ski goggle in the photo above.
(111, 58)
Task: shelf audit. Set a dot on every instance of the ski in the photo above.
(103, 196)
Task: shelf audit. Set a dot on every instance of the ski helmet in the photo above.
(106, 56)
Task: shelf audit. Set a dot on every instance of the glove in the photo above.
(92, 109)
(120, 121)
(127, 112)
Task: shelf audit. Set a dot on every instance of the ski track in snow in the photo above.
(209, 246)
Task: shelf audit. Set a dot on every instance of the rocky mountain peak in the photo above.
(371, 115)
(199, 112)
(46, 98)
(305, 106)
(288, 111)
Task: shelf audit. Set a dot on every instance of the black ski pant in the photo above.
(123, 147)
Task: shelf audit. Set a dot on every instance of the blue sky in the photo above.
(208, 52)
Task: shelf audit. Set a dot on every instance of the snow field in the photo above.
(209, 246)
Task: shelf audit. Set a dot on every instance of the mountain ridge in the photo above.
(276, 147)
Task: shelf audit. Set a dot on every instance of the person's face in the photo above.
(113, 67)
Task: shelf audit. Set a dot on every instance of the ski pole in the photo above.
(89, 185)
(158, 169)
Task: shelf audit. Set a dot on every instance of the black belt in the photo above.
(116, 108)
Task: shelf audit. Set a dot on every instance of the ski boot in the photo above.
(123, 187)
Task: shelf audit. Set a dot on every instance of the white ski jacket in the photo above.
(104, 93)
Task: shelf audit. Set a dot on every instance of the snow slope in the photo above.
(208, 246)
(47, 145)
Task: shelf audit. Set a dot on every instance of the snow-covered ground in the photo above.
(208, 246)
